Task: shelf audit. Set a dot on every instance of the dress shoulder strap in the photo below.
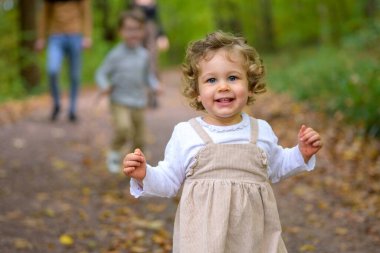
(200, 131)
(254, 130)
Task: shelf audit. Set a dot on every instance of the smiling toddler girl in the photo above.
(224, 159)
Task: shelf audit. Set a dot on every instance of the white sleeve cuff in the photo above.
(135, 189)
(138, 191)
(148, 180)
(295, 164)
(309, 166)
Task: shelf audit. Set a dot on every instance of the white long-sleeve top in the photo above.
(166, 178)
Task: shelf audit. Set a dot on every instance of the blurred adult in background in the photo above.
(65, 27)
(155, 39)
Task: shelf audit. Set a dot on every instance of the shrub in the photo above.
(343, 80)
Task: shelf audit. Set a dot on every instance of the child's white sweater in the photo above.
(166, 178)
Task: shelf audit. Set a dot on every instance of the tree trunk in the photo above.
(267, 21)
(129, 4)
(370, 8)
(28, 65)
(108, 31)
(226, 16)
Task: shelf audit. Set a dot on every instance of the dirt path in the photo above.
(57, 196)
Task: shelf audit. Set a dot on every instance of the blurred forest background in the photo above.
(322, 60)
(325, 52)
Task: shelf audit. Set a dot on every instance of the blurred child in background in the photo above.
(126, 76)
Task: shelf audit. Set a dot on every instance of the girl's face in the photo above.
(223, 87)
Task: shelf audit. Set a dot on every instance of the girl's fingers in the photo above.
(138, 152)
(317, 144)
(132, 164)
(128, 170)
(302, 129)
(134, 157)
(308, 134)
(312, 138)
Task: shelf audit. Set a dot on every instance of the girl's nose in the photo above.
(223, 87)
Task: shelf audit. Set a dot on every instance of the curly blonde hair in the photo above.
(200, 49)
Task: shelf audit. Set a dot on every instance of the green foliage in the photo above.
(310, 22)
(343, 81)
(10, 83)
(184, 21)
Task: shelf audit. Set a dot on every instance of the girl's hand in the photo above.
(309, 142)
(135, 165)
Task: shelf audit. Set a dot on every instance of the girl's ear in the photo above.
(199, 98)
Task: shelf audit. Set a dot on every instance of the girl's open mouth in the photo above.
(224, 100)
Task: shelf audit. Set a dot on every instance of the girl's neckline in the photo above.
(213, 128)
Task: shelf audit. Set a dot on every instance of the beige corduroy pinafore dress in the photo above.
(227, 203)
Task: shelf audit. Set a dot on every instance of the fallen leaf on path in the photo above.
(18, 143)
(307, 248)
(341, 231)
(42, 196)
(137, 249)
(91, 244)
(293, 229)
(139, 234)
(66, 240)
(33, 222)
(157, 208)
(87, 161)
(153, 225)
(3, 174)
(57, 163)
(49, 212)
(323, 205)
(308, 208)
(303, 191)
(86, 191)
(159, 239)
(13, 215)
(20, 243)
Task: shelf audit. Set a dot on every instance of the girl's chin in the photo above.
(228, 114)
(223, 118)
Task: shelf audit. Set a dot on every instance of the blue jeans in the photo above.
(60, 45)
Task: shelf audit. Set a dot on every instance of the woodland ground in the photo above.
(56, 194)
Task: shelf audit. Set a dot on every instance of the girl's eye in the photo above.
(211, 80)
(232, 78)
